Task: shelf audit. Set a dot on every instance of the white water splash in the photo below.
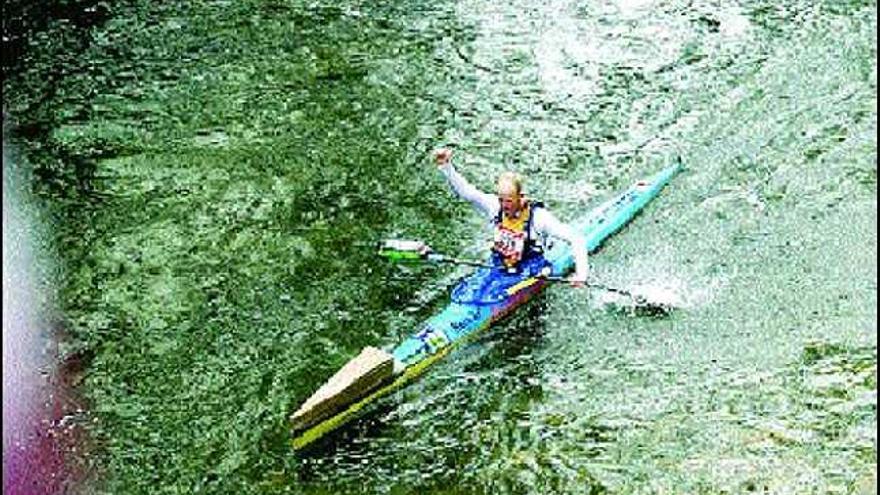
(657, 278)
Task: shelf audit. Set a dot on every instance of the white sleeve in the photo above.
(546, 223)
(486, 203)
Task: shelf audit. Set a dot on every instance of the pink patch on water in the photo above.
(42, 435)
(39, 439)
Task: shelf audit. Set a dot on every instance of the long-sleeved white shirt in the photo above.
(543, 222)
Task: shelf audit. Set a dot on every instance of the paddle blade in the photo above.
(402, 250)
(643, 300)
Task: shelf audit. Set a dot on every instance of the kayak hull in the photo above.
(460, 320)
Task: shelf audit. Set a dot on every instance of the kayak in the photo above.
(480, 299)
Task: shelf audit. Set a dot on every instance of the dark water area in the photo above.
(218, 173)
(24, 22)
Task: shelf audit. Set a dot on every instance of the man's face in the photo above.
(511, 199)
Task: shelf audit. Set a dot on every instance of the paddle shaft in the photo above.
(458, 261)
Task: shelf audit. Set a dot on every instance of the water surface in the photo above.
(240, 160)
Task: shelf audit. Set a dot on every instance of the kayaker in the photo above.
(520, 224)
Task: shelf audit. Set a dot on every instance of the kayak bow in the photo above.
(482, 298)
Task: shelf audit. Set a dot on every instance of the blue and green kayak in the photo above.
(479, 300)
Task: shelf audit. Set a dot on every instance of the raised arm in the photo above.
(486, 203)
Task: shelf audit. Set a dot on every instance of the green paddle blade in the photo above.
(400, 250)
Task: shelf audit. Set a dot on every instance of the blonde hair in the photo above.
(512, 178)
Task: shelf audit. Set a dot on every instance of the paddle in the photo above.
(405, 250)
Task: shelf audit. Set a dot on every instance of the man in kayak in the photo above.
(520, 225)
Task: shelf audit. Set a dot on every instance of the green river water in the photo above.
(217, 173)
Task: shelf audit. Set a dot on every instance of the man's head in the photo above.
(509, 192)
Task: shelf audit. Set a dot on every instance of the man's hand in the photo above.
(442, 156)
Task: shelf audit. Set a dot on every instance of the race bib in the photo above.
(510, 244)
